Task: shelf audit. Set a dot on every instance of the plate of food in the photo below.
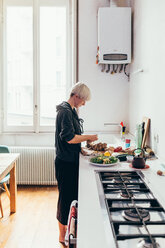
(103, 161)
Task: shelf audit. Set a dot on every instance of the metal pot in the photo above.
(139, 161)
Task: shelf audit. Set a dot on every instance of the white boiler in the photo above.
(114, 35)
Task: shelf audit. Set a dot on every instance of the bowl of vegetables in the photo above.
(103, 161)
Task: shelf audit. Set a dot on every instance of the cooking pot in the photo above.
(139, 160)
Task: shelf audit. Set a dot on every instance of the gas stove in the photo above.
(133, 217)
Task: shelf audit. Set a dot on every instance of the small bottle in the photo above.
(123, 133)
(127, 143)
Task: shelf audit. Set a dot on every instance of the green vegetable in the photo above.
(101, 159)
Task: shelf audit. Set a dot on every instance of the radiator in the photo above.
(35, 165)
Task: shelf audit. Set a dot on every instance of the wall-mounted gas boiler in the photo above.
(114, 35)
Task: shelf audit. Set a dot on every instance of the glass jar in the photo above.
(138, 136)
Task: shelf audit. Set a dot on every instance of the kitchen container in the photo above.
(129, 158)
(122, 157)
(138, 135)
(127, 143)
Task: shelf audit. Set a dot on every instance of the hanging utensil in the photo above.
(108, 69)
(115, 70)
(125, 71)
(103, 68)
(121, 68)
(112, 72)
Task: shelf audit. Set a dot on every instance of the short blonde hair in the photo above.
(81, 90)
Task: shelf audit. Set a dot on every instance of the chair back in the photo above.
(4, 149)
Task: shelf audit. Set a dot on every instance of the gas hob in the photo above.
(133, 217)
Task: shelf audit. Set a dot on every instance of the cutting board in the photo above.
(146, 121)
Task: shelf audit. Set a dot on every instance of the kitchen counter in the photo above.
(91, 231)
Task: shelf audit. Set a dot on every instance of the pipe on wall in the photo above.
(113, 3)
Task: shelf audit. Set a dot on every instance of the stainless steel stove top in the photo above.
(135, 217)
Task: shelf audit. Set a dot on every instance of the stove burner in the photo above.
(127, 178)
(132, 215)
(117, 180)
(126, 174)
(146, 243)
(117, 183)
(124, 180)
(125, 195)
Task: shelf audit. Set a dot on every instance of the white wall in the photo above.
(147, 89)
(109, 92)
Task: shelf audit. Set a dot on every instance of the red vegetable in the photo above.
(160, 173)
(118, 149)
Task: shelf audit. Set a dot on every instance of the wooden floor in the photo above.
(34, 225)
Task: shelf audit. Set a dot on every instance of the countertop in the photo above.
(91, 231)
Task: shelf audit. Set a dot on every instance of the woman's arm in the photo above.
(80, 138)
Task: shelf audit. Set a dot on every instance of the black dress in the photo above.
(67, 158)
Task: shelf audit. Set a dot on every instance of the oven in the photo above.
(132, 216)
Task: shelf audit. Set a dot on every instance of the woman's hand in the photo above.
(92, 138)
(81, 138)
(83, 152)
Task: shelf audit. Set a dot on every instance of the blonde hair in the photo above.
(81, 90)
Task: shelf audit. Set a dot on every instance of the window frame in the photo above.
(71, 60)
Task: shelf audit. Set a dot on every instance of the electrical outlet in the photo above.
(155, 145)
(156, 138)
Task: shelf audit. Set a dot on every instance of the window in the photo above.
(58, 78)
(37, 62)
(58, 45)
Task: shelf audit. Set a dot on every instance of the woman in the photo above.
(68, 140)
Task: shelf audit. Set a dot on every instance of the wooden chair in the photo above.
(4, 149)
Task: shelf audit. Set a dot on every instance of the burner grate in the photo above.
(133, 211)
